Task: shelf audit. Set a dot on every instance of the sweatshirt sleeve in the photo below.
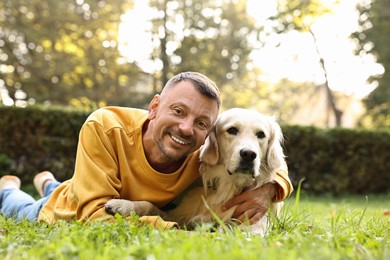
(94, 182)
(96, 178)
(283, 183)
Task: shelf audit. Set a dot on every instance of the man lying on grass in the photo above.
(137, 155)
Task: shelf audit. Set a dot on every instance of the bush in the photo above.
(5, 162)
(339, 160)
(36, 139)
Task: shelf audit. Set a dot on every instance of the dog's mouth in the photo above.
(240, 171)
(246, 168)
(242, 179)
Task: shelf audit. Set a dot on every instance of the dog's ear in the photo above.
(209, 152)
(275, 155)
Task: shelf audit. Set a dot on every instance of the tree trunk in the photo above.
(331, 101)
(163, 53)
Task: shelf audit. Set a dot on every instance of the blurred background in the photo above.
(321, 63)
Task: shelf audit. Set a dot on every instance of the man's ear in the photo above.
(153, 106)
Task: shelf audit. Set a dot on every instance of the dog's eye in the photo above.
(260, 135)
(232, 130)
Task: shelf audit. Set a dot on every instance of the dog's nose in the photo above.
(247, 155)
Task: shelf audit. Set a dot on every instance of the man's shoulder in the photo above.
(113, 111)
(113, 117)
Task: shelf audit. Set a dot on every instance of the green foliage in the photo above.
(373, 37)
(320, 228)
(223, 52)
(37, 139)
(55, 51)
(300, 15)
(339, 160)
(214, 38)
(76, 44)
(5, 162)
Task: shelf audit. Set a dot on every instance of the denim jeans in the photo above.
(17, 204)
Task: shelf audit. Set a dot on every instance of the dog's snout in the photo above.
(247, 155)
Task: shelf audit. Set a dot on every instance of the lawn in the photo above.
(313, 227)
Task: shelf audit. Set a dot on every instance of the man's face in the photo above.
(182, 118)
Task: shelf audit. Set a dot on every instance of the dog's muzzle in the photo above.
(246, 165)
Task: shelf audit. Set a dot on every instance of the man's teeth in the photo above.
(177, 140)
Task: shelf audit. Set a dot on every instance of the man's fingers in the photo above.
(233, 202)
(253, 215)
(246, 197)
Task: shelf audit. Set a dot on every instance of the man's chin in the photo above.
(175, 156)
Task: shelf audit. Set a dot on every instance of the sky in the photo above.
(296, 57)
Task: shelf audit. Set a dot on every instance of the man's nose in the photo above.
(186, 126)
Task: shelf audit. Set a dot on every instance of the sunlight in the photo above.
(135, 39)
(295, 58)
(263, 11)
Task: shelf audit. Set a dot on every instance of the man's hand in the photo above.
(252, 204)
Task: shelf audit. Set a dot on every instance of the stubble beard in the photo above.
(169, 155)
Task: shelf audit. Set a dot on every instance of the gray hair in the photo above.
(201, 82)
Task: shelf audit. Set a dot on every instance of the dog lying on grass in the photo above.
(243, 151)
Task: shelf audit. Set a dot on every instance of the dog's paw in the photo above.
(123, 207)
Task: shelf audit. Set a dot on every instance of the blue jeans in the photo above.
(17, 204)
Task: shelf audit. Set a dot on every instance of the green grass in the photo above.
(349, 227)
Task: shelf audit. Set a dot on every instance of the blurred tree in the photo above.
(374, 37)
(250, 93)
(64, 51)
(212, 37)
(300, 16)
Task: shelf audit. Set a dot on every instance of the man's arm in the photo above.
(253, 204)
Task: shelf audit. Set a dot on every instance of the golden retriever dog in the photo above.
(243, 151)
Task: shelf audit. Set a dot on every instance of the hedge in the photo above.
(36, 138)
(339, 160)
(332, 161)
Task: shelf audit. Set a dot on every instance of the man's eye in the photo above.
(203, 125)
(232, 130)
(177, 111)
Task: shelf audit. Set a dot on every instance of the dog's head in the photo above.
(245, 142)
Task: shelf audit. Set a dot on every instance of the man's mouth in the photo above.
(177, 140)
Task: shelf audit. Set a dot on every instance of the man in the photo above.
(137, 155)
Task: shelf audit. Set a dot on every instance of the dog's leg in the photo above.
(125, 207)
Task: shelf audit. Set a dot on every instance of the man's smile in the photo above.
(177, 140)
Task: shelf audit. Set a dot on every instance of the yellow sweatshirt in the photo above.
(111, 163)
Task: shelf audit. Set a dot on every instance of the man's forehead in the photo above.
(183, 85)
